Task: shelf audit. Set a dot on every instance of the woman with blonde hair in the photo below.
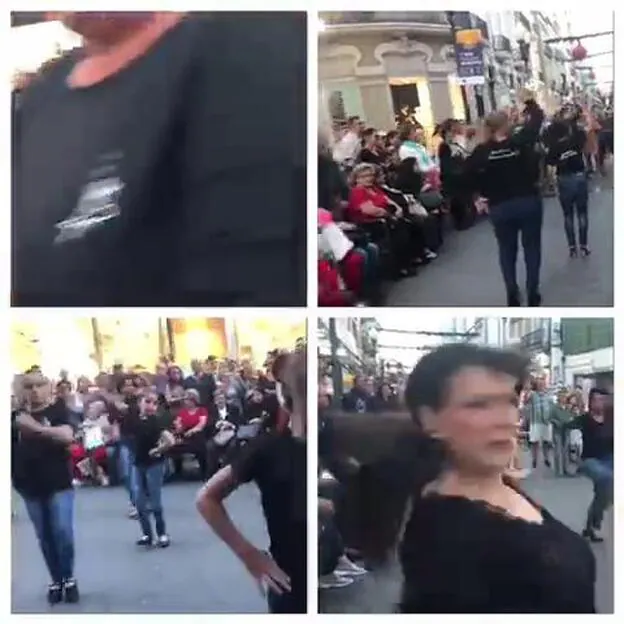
(504, 172)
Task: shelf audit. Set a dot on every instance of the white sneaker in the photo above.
(347, 567)
(163, 541)
(430, 255)
(333, 581)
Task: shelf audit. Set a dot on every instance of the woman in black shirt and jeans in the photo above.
(565, 145)
(473, 541)
(596, 427)
(504, 171)
(276, 462)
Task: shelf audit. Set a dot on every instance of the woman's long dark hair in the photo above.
(383, 488)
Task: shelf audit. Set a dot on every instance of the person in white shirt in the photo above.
(347, 148)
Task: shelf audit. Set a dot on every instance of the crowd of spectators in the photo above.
(196, 405)
(387, 198)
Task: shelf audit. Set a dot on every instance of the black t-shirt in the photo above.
(40, 466)
(462, 556)
(169, 155)
(277, 464)
(509, 169)
(145, 434)
(359, 401)
(565, 144)
(597, 437)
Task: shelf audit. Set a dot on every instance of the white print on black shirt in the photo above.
(503, 154)
(98, 203)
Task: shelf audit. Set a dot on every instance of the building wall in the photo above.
(589, 364)
(57, 343)
(362, 66)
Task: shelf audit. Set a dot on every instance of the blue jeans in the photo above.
(600, 471)
(574, 199)
(147, 487)
(126, 466)
(53, 519)
(519, 216)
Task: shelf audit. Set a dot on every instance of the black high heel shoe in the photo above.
(590, 534)
(585, 251)
(573, 252)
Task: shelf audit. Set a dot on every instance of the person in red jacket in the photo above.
(190, 430)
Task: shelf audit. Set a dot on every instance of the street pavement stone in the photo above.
(467, 273)
(196, 574)
(566, 498)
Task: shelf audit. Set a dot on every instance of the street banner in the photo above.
(469, 57)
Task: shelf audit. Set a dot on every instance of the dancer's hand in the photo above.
(27, 424)
(481, 205)
(267, 573)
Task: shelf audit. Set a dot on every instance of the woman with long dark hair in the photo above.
(473, 542)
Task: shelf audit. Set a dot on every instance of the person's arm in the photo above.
(529, 132)
(58, 431)
(210, 505)
(201, 425)
(165, 442)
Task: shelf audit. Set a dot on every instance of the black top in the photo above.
(597, 437)
(452, 158)
(40, 466)
(277, 464)
(372, 158)
(332, 185)
(565, 145)
(198, 149)
(357, 400)
(461, 556)
(144, 436)
(205, 384)
(503, 170)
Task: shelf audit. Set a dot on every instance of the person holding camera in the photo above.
(276, 462)
(41, 474)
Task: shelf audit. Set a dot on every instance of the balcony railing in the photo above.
(372, 17)
(502, 44)
(536, 340)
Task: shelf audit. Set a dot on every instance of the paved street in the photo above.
(565, 498)
(467, 272)
(196, 574)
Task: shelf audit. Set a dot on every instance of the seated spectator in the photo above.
(372, 210)
(372, 152)
(356, 260)
(190, 433)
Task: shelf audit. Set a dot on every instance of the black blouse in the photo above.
(462, 556)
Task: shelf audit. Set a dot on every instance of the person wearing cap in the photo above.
(41, 474)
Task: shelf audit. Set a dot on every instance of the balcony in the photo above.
(535, 341)
(503, 50)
